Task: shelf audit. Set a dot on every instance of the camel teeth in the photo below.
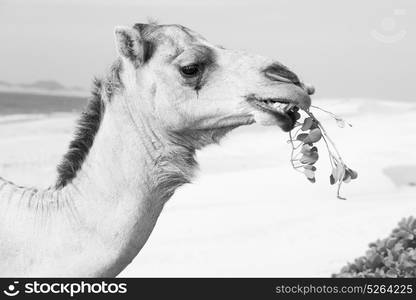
(291, 107)
(277, 105)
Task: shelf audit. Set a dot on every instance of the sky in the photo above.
(345, 48)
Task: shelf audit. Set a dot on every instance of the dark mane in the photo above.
(87, 128)
(88, 125)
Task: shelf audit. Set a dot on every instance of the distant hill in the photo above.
(42, 87)
(44, 84)
(25, 103)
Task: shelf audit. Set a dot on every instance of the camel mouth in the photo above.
(284, 110)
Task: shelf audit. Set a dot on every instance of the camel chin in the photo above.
(265, 119)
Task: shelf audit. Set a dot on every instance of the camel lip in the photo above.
(284, 110)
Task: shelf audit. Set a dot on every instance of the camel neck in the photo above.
(98, 222)
(132, 169)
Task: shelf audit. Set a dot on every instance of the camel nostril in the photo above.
(278, 72)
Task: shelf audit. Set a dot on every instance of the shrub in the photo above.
(394, 256)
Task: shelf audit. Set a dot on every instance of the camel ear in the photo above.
(129, 44)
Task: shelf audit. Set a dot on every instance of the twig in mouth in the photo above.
(313, 132)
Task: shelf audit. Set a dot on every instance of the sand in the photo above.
(248, 213)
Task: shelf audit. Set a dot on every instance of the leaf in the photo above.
(309, 173)
(391, 273)
(406, 263)
(309, 159)
(307, 124)
(306, 149)
(314, 125)
(374, 260)
(340, 122)
(347, 177)
(332, 179)
(391, 242)
(405, 235)
(313, 168)
(412, 223)
(338, 172)
(313, 136)
(398, 248)
(313, 180)
(352, 173)
(302, 136)
(413, 255)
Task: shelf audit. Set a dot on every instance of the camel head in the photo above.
(188, 84)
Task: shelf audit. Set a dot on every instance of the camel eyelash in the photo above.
(195, 80)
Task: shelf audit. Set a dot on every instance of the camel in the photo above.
(169, 93)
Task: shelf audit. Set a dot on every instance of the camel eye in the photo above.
(190, 70)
